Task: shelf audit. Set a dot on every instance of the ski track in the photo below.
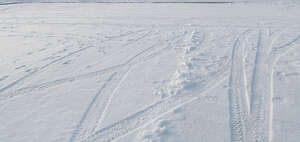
(98, 124)
(101, 106)
(85, 115)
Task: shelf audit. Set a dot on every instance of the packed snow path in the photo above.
(149, 72)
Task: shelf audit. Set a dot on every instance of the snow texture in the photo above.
(149, 72)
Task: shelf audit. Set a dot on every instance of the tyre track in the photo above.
(255, 125)
(149, 114)
(262, 88)
(259, 90)
(237, 99)
(239, 105)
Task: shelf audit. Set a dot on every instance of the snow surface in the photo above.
(150, 72)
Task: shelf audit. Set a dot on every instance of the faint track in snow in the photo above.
(139, 38)
(46, 85)
(42, 86)
(41, 68)
(22, 79)
(124, 35)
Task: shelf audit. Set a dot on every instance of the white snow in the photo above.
(149, 72)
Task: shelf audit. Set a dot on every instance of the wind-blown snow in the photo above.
(150, 72)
